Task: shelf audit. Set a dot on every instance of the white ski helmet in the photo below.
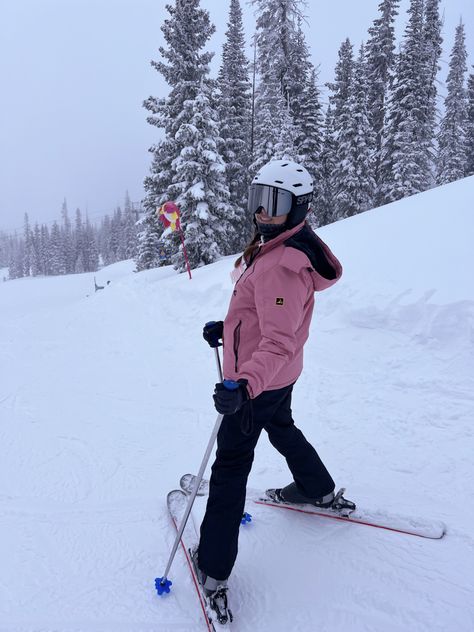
(282, 187)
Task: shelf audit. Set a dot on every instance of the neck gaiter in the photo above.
(270, 231)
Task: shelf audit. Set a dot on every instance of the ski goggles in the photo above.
(275, 201)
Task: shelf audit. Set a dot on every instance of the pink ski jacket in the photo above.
(271, 307)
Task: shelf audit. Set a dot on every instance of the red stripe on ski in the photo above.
(345, 519)
(210, 627)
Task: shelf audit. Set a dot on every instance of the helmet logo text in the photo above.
(303, 199)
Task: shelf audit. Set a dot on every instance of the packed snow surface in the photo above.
(105, 400)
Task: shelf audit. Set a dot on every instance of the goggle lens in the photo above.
(275, 201)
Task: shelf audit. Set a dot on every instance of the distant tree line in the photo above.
(379, 138)
(69, 247)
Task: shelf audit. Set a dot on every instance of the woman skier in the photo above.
(263, 336)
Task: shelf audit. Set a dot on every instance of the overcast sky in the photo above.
(74, 74)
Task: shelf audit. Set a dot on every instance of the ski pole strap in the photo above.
(246, 421)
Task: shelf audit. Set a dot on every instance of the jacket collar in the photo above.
(276, 241)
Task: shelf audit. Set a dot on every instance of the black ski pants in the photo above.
(234, 457)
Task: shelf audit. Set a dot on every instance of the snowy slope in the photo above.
(105, 402)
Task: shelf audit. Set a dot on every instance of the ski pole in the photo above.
(218, 363)
(163, 582)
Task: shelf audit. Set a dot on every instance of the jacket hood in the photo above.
(326, 269)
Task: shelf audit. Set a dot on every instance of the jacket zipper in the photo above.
(236, 343)
(247, 268)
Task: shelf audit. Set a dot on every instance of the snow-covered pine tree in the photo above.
(310, 123)
(4, 249)
(354, 183)
(16, 263)
(302, 87)
(36, 261)
(28, 247)
(234, 111)
(432, 49)
(275, 131)
(149, 228)
(122, 246)
(129, 233)
(269, 104)
(56, 262)
(207, 219)
(67, 241)
(285, 146)
(324, 205)
(405, 167)
(280, 46)
(470, 127)
(452, 140)
(183, 66)
(78, 242)
(341, 86)
(186, 70)
(306, 107)
(380, 68)
(90, 250)
(115, 236)
(104, 240)
(148, 246)
(45, 250)
(276, 37)
(94, 257)
(340, 118)
(338, 98)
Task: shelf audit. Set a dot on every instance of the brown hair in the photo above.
(250, 249)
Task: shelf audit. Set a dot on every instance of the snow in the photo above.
(196, 191)
(202, 210)
(105, 400)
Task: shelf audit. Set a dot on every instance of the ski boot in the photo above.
(215, 591)
(335, 503)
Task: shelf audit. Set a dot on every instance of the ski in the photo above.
(378, 519)
(186, 483)
(177, 501)
(433, 530)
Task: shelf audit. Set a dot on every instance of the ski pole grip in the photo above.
(230, 385)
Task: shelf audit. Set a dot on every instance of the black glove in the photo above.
(212, 333)
(229, 396)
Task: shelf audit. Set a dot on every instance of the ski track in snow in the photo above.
(105, 400)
